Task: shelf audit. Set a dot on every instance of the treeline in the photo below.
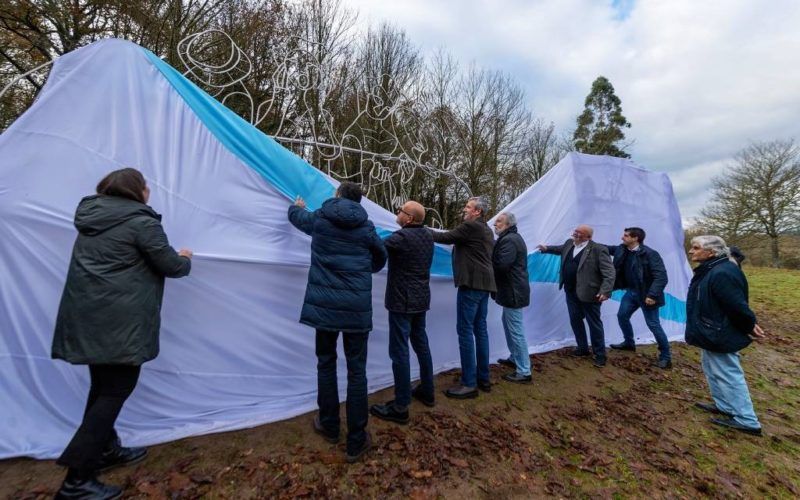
(403, 123)
(755, 204)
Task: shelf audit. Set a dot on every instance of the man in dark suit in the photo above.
(587, 277)
(641, 273)
(408, 298)
(473, 275)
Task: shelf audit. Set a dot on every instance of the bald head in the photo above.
(582, 233)
(416, 210)
(410, 213)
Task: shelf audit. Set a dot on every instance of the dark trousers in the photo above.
(111, 386)
(590, 311)
(355, 352)
(402, 328)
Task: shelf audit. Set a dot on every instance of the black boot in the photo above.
(117, 455)
(390, 412)
(76, 486)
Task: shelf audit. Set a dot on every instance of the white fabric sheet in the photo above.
(233, 354)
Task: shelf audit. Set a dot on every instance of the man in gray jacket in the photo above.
(472, 244)
(587, 277)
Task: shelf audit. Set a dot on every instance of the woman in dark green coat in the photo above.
(109, 318)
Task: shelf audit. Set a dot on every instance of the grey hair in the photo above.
(714, 243)
(480, 204)
(511, 219)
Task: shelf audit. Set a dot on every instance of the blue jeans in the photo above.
(728, 386)
(578, 311)
(629, 304)
(355, 351)
(472, 306)
(515, 338)
(402, 328)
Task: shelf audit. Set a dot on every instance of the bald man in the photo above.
(587, 277)
(408, 298)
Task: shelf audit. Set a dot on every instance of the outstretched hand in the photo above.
(299, 202)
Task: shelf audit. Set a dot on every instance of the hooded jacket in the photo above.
(110, 310)
(345, 251)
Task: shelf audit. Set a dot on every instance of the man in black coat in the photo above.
(408, 298)
(641, 273)
(587, 277)
(345, 251)
(721, 323)
(473, 275)
(510, 263)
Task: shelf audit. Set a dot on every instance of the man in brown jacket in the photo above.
(473, 275)
(587, 277)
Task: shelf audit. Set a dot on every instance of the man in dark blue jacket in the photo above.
(408, 298)
(641, 273)
(345, 251)
(720, 322)
(510, 264)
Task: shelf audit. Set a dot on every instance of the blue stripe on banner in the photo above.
(295, 176)
(545, 268)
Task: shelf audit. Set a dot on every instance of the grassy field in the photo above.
(625, 431)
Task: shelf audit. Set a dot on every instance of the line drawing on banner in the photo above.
(338, 149)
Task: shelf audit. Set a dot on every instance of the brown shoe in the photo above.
(327, 436)
(461, 392)
(360, 453)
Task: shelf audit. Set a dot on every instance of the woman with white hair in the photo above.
(720, 322)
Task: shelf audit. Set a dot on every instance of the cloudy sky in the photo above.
(698, 80)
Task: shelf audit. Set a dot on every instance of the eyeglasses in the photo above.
(400, 209)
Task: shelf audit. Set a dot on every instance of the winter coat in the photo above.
(472, 254)
(410, 255)
(110, 311)
(718, 317)
(510, 263)
(650, 276)
(595, 271)
(345, 251)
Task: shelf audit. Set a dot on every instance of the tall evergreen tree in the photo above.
(601, 123)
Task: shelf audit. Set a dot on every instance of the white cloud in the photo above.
(698, 80)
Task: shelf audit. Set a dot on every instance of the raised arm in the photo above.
(553, 249)
(154, 245)
(460, 233)
(302, 219)
(378, 251)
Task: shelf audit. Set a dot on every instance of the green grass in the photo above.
(775, 291)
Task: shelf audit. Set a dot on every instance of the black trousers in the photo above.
(111, 386)
(590, 311)
(355, 352)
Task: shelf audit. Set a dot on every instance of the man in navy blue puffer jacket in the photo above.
(345, 251)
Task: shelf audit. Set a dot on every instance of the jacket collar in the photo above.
(511, 229)
(707, 266)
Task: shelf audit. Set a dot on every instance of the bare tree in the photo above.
(760, 194)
